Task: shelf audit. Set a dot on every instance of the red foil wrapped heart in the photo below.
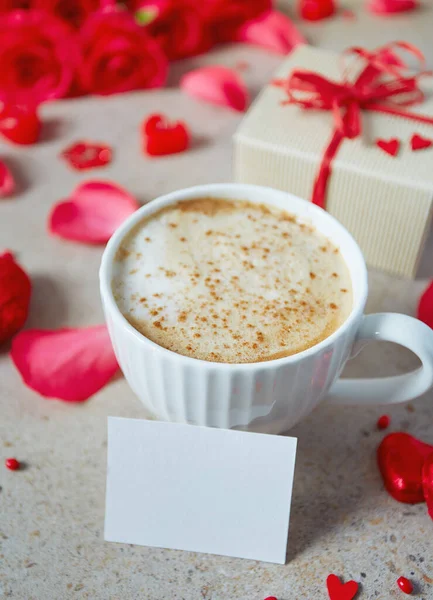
(427, 483)
(401, 458)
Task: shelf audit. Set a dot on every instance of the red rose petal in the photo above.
(427, 483)
(7, 182)
(87, 155)
(425, 306)
(15, 293)
(389, 7)
(68, 364)
(93, 212)
(162, 137)
(273, 31)
(391, 146)
(401, 457)
(341, 591)
(217, 85)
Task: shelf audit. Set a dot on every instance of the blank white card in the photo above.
(194, 488)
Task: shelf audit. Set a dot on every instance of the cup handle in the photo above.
(400, 329)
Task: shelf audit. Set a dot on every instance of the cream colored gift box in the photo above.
(385, 202)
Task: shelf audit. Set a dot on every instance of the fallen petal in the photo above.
(217, 85)
(425, 306)
(273, 31)
(93, 212)
(7, 183)
(389, 7)
(68, 364)
(87, 155)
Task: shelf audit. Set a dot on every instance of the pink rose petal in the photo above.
(217, 85)
(7, 183)
(68, 364)
(273, 31)
(425, 306)
(93, 212)
(389, 7)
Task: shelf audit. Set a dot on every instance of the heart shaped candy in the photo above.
(401, 457)
(341, 591)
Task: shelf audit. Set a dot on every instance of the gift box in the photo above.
(314, 132)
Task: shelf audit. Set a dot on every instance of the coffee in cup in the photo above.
(231, 281)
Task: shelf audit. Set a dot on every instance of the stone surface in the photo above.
(51, 513)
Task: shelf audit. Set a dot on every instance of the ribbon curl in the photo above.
(383, 85)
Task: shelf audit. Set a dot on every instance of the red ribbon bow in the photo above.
(383, 85)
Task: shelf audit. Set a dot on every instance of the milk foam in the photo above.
(230, 281)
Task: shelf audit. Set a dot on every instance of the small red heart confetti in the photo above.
(405, 585)
(427, 483)
(84, 155)
(20, 125)
(383, 422)
(417, 142)
(425, 306)
(401, 457)
(162, 137)
(271, 598)
(341, 591)
(391, 146)
(12, 464)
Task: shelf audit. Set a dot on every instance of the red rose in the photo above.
(118, 55)
(73, 12)
(225, 17)
(9, 5)
(38, 57)
(177, 25)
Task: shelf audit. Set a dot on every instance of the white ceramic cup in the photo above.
(267, 396)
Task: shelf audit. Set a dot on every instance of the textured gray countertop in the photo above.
(51, 513)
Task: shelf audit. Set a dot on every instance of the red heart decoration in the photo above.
(417, 142)
(401, 457)
(20, 125)
(427, 483)
(162, 137)
(341, 591)
(391, 146)
(87, 155)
